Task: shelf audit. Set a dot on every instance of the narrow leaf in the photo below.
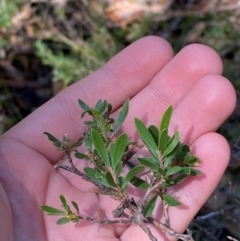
(192, 161)
(109, 109)
(171, 201)
(98, 105)
(99, 120)
(186, 170)
(120, 147)
(83, 105)
(145, 134)
(87, 142)
(52, 211)
(183, 156)
(163, 139)
(120, 182)
(138, 182)
(110, 180)
(168, 160)
(173, 143)
(149, 163)
(101, 107)
(80, 155)
(53, 139)
(195, 172)
(92, 173)
(132, 173)
(75, 206)
(172, 170)
(63, 221)
(100, 146)
(154, 132)
(122, 116)
(118, 169)
(166, 118)
(184, 148)
(64, 203)
(147, 212)
(88, 123)
(96, 176)
(180, 178)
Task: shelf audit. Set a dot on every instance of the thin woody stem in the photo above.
(165, 213)
(107, 221)
(146, 229)
(74, 170)
(149, 191)
(171, 232)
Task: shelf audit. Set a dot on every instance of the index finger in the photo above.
(122, 77)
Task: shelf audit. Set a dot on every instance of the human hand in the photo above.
(148, 74)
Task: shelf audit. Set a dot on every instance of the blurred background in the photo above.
(46, 45)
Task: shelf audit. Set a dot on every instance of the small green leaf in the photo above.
(91, 172)
(88, 123)
(96, 176)
(80, 155)
(83, 105)
(138, 182)
(195, 172)
(184, 148)
(186, 170)
(120, 147)
(53, 139)
(109, 109)
(76, 220)
(168, 160)
(52, 211)
(163, 139)
(170, 200)
(120, 182)
(99, 105)
(63, 221)
(122, 116)
(154, 132)
(110, 180)
(99, 121)
(192, 161)
(118, 169)
(100, 146)
(147, 212)
(87, 142)
(173, 143)
(166, 119)
(149, 163)
(111, 148)
(132, 173)
(64, 203)
(145, 134)
(172, 170)
(75, 206)
(183, 156)
(179, 179)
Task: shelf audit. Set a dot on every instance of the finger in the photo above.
(173, 83)
(214, 152)
(122, 77)
(205, 108)
(5, 211)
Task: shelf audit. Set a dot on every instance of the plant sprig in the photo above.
(168, 163)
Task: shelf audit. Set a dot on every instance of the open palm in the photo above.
(148, 74)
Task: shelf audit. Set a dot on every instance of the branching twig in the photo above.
(105, 153)
(171, 232)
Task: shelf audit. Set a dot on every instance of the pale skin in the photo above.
(149, 74)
